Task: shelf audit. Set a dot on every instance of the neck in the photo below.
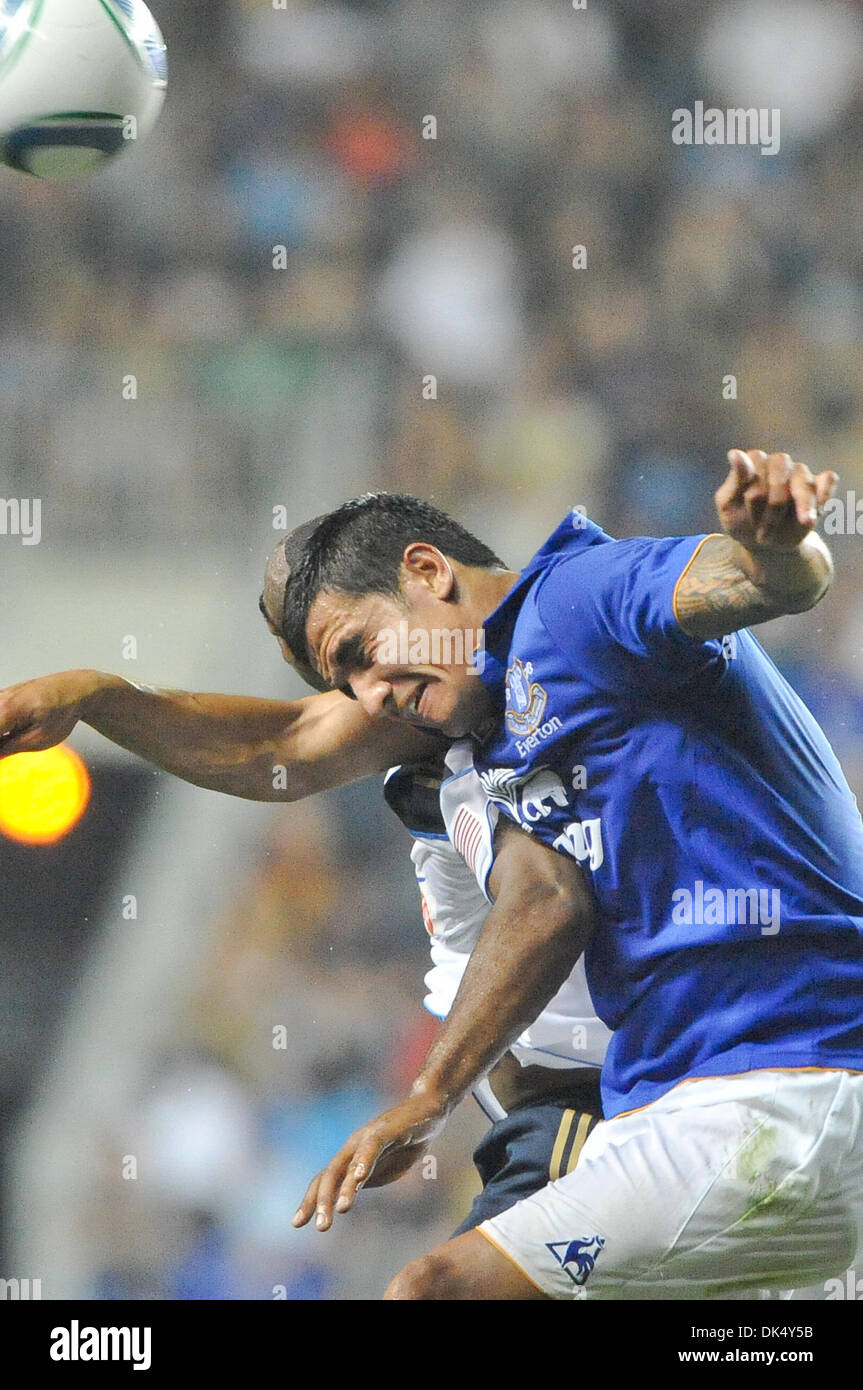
(483, 590)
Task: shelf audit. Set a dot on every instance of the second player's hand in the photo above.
(377, 1154)
(770, 502)
(43, 712)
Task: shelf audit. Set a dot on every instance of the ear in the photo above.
(428, 567)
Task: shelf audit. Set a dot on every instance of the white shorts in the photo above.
(722, 1186)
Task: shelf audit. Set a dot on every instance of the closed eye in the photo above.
(350, 656)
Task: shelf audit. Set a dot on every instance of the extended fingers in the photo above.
(358, 1171)
(329, 1182)
(306, 1208)
(321, 1190)
(336, 1186)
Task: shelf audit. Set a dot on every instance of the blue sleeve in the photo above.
(610, 609)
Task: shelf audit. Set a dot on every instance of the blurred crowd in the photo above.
(305, 1023)
(296, 137)
(344, 201)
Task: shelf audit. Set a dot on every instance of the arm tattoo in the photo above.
(725, 587)
(714, 595)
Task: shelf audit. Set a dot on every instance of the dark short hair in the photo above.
(358, 548)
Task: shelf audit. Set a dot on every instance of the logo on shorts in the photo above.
(579, 1256)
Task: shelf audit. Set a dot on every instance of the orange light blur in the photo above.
(42, 795)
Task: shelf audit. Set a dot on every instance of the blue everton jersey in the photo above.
(695, 788)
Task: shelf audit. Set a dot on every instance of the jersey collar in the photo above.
(576, 532)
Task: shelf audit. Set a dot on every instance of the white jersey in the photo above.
(453, 871)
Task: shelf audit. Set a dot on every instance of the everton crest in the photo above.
(525, 700)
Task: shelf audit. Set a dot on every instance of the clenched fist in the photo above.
(40, 713)
(769, 502)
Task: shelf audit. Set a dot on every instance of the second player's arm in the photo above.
(262, 750)
(539, 925)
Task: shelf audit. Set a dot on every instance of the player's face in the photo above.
(403, 659)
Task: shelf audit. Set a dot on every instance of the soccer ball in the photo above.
(80, 81)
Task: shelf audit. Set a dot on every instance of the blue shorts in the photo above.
(532, 1146)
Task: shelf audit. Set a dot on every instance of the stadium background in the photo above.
(151, 1037)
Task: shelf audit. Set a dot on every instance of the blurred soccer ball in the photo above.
(80, 81)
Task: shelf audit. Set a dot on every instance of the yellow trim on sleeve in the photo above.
(714, 535)
(515, 1264)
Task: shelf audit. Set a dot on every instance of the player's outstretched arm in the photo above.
(531, 939)
(263, 750)
(770, 561)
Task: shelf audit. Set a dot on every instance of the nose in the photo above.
(373, 693)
